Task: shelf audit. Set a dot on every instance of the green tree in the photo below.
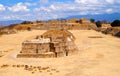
(92, 20)
(98, 23)
(115, 23)
(27, 22)
(79, 21)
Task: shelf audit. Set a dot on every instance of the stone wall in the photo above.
(52, 55)
(59, 44)
(33, 48)
(68, 26)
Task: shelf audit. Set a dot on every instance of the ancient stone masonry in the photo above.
(53, 43)
(71, 24)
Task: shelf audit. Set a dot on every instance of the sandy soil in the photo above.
(99, 55)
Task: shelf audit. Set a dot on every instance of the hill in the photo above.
(107, 17)
(9, 22)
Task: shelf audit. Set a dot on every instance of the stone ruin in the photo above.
(70, 24)
(51, 44)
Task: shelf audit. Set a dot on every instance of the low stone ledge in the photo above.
(36, 56)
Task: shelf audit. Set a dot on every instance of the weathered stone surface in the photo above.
(53, 43)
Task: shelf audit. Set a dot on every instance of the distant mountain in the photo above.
(108, 17)
(9, 22)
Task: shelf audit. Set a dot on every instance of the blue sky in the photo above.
(52, 9)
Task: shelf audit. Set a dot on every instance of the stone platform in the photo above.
(52, 55)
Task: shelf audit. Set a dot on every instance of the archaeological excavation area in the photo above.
(97, 54)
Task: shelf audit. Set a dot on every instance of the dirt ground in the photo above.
(99, 55)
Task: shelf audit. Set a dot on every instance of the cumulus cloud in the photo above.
(109, 10)
(2, 8)
(97, 1)
(79, 7)
(110, 1)
(29, 4)
(44, 1)
(19, 7)
(86, 1)
(51, 9)
(10, 17)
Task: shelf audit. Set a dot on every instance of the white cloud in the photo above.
(97, 1)
(19, 7)
(110, 1)
(29, 4)
(2, 8)
(44, 1)
(50, 9)
(87, 1)
(9, 17)
(53, 7)
(109, 10)
(78, 7)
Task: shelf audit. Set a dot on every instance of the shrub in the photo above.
(115, 23)
(98, 23)
(92, 20)
(28, 28)
(27, 22)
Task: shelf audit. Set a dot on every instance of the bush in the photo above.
(98, 23)
(92, 20)
(79, 21)
(28, 28)
(27, 22)
(115, 23)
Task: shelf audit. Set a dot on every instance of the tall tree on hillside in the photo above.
(115, 23)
